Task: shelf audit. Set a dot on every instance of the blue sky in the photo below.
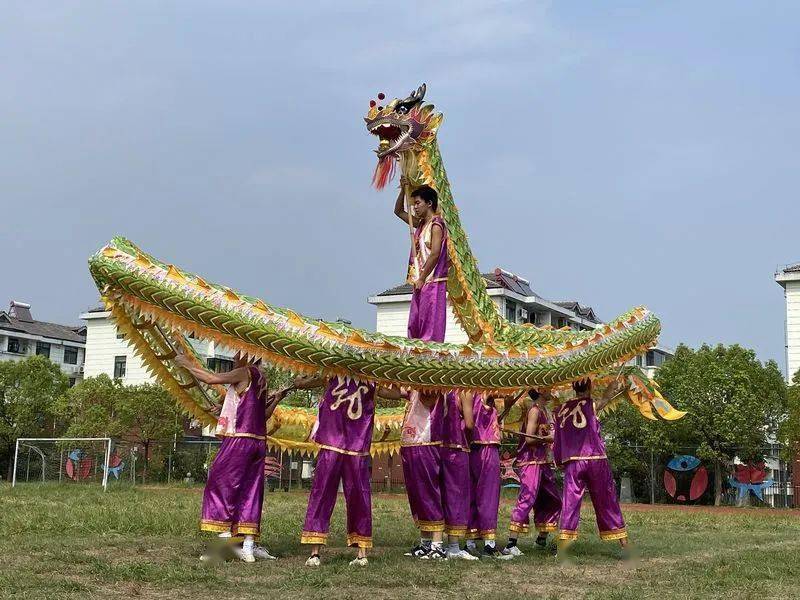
(617, 153)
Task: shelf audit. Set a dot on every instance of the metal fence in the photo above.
(681, 477)
(641, 474)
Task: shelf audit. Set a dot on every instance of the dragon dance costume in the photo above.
(578, 448)
(538, 491)
(343, 432)
(420, 439)
(234, 491)
(456, 478)
(484, 462)
(427, 317)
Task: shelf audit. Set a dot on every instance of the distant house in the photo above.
(22, 336)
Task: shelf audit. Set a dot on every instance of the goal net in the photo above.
(66, 460)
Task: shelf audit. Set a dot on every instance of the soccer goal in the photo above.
(65, 460)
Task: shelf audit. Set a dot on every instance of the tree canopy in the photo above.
(735, 406)
(29, 391)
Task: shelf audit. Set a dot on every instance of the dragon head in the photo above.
(402, 128)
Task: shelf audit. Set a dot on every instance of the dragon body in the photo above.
(158, 305)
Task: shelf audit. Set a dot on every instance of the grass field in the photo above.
(70, 542)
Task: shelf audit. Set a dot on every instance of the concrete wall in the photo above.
(792, 328)
(102, 346)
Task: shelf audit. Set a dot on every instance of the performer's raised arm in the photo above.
(390, 393)
(308, 382)
(614, 389)
(273, 400)
(234, 376)
(400, 204)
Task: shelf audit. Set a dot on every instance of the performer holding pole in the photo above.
(428, 263)
(456, 478)
(234, 491)
(343, 431)
(484, 460)
(579, 450)
(420, 439)
(538, 490)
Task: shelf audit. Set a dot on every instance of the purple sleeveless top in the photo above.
(454, 433)
(421, 251)
(244, 416)
(422, 425)
(533, 454)
(346, 416)
(577, 432)
(487, 429)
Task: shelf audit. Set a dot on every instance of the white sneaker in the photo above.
(244, 555)
(359, 562)
(262, 553)
(460, 555)
(313, 561)
(513, 551)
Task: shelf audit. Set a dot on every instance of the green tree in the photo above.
(632, 442)
(147, 413)
(89, 408)
(734, 402)
(138, 414)
(29, 390)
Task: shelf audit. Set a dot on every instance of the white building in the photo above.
(788, 277)
(22, 336)
(511, 294)
(515, 300)
(652, 359)
(107, 351)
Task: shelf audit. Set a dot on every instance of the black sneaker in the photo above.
(492, 552)
(541, 540)
(417, 552)
(434, 554)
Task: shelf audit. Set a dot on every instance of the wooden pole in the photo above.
(507, 409)
(411, 231)
(525, 435)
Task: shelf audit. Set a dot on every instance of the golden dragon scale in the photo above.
(158, 304)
